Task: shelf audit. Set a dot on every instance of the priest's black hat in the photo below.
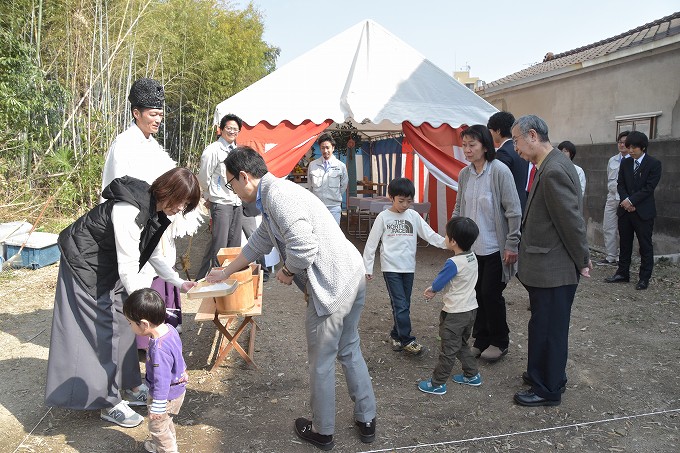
(147, 93)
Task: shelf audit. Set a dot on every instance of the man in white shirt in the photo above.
(569, 150)
(135, 152)
(225, 206)
(327, 177)
(610, 222)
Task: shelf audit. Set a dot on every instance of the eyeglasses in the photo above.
(621, 142)
(514, 139)
(231, 130)
(228, 184)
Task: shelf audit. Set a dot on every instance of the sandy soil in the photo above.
(623, 393)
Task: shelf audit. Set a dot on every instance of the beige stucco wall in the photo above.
(580, 105)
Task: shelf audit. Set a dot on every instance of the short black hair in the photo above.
(463, 230)
(569, 146)
(401, 187)
(147, 304)
(502, 122)
(481, 133)
(622, 134)
(637, 139)
(231, 117)
(245, 158)
(326, 137)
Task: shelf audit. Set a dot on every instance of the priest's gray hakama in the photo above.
(93, 356)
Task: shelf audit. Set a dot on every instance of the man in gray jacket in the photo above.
(553, 254)
(300, 227)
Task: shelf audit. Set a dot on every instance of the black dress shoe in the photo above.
(303, 428)
(366, 431)
(617, 278)
(527, 380)
(642, 284)
(529, 398)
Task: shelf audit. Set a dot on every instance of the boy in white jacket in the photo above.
(399, 228)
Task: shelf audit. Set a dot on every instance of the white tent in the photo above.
(365, 75)
(368, 77)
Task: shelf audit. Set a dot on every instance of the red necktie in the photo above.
(531, 178)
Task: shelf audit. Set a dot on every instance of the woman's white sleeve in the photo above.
(127, 235)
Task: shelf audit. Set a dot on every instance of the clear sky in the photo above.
(493, 37)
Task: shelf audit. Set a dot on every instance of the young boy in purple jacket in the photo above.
(166, 374)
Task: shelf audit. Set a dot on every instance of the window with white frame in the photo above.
(643, 122)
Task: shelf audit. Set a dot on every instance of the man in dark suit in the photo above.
(499, 125)
(638, 178)
(553, 253)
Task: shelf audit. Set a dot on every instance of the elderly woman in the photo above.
(93, 360)
(487, 195)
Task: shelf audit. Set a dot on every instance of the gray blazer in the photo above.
(310, 243)
(554, 245)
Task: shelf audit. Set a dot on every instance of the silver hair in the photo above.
(528, 122)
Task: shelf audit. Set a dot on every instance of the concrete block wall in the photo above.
(593, 159)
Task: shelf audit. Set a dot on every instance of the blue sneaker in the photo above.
(474, 381)
(427, 387)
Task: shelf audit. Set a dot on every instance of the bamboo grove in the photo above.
(66, 67)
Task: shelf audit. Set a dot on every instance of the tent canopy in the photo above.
(364, 75)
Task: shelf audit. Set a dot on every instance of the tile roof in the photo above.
(653, 31)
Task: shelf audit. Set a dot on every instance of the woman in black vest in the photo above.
(93, 360)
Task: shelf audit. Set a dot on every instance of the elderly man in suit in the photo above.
(553, 254)
(499, 125)
(638, 178)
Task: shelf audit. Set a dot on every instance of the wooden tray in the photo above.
(203, 290)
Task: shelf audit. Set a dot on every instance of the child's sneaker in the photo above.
(396, 345)
(427, 387)
(474, 381)
(137, 398)
(121, 415)
(149, 446)
(413, 348)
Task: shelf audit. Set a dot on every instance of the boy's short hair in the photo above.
(401, 187)
(637, 139)
(147, 304)
(463, 230)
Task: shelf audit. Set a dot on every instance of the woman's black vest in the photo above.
(89, 245)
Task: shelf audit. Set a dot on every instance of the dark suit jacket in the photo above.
(639, 190)
(553, 246)
(518, 166)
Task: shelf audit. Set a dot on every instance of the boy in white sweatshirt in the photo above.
(399, 228)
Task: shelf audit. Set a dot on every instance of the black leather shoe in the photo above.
(303, 428)
(529, 398)
(527, 380)
(265, 277)
(642, 284)
(366, 431)
(617, 278)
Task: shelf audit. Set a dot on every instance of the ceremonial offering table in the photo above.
(210, 310)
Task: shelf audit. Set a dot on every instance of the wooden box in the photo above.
(227, 254)
(243, 297)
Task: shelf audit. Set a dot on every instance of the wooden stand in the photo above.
(228, 341)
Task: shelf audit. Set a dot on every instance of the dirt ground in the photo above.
(623, 393)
